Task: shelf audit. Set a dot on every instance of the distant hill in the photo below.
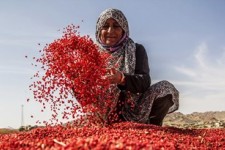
(6, 131)
(209, 119)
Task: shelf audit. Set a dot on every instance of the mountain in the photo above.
(209, 119)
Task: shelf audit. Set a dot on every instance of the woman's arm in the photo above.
(140, 81)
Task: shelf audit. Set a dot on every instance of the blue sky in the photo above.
(185, 42)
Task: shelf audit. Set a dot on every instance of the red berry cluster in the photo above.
(73, 80)
(119, 136)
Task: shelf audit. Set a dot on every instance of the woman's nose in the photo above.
(110, 29)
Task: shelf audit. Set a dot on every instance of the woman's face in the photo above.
(111, 32)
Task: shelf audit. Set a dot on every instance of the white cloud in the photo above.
(203, 82)
(203, 70)
(200, 53)
(221, 61)
(187, 71)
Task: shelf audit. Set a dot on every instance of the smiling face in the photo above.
(111, 32)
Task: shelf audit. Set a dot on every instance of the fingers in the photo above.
(114, 76)
(113, 71)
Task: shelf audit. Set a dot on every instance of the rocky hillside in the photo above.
(196, 120)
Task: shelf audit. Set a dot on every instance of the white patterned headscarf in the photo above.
(124, 53)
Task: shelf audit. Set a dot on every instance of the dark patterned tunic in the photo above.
(139, 84)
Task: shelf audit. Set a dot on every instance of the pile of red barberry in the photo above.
(124, 135)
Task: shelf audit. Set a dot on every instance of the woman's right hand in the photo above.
(115, 76)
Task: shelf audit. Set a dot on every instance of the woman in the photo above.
(135, 100)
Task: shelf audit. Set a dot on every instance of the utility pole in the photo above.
(22, 119)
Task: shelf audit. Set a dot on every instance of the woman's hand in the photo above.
(115, 76)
